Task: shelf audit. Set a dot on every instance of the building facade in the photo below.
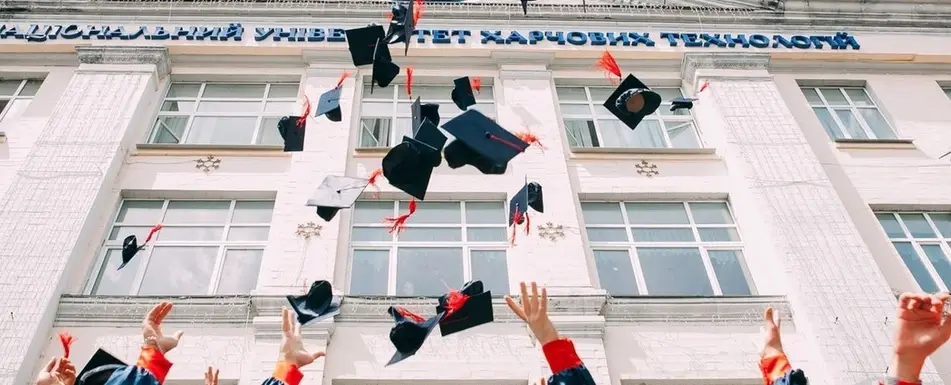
(810, 176)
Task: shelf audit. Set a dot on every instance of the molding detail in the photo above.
(89, 54)
(722, 61)
(699, 310)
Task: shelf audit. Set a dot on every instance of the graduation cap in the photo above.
(428, 111)
(681, 103)
(292, 129)
(525, 6)
(462, 91)
(632, 101)
(367, 45)
(99, 369)
(329, 105)
(530, 196)
(336, 193)
(409, 333)
(402, 25)
(465, 309)
(481, 142)
(318, 304)
(408, 166)
(130, 245)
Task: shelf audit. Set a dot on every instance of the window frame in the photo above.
(704, 247)
(942, 242)
(260, 115)
(947, 90)
(393, 246)
(593, 116)
(145, 255)
(853, 108)
(17, 95)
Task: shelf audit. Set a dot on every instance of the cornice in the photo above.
(696, 310)
(722, 62)
(158, 56)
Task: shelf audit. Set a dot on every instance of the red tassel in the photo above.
(408, 314)
(531, 139)
(152, 232)
(303, 118)
(66, 339)
(376, 174)
(706, 83)
(476, 84)
(409, 82)
(609, 65)
(516, 218)
(506, 142)
(399, 223)
(417, 11)
(343, 77)
(455, 302)
(528, 223)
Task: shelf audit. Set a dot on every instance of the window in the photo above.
(15, 97)
(655, 248)
(445, 244)
(921, 240)
(205, 247)
(589, 124)
(224, 114)
(387, 105)
(947, 91)
(848, 113)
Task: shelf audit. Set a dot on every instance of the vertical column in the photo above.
(559, 264)
(66, 179)
(839, 298)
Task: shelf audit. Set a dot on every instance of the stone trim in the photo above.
(722, 61)
(119, 55)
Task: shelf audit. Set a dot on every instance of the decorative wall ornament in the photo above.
(551, 231)
(309, 230)
(208, 163)
(647, 169)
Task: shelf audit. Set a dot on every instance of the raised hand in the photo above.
(534, 311)
(152, 328)
(59, 371)
(922, 326)
(772, 342)
(211, 376)
(292, 346)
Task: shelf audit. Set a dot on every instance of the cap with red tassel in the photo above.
(476, 84)
(519, 217)
(531, 139)
(465, 308)
(609, 65)
(397, 224)
(373, 178)
(409, 82)
(302, 120)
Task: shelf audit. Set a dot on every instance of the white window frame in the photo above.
(704, 246)
(145, 254)
(17, 95)
(917, 242)
(830, 108)
(394, 244)
(260, 115)
(396, 94)
(593, 117)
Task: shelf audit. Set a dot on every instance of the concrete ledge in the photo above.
(611, 153)
(160, 149)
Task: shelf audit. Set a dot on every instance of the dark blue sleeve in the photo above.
(792, 377)
(132, 375)
(578, 375)
(285, 373)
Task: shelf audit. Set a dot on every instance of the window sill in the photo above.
(153, 149)
(3, 137)
(370, 152)
(599, 153)
(875, 144)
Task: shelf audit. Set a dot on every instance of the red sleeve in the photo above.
(153, 360)
(774, 367)
(561, 355)
(288, 373)
(900, 382)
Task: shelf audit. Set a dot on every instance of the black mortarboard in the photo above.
(458, 155)
(329, 104)
(492, 146)
(336, 193)
(428, 134)
(384, 70)
(406, 26)
(292, 129)
(362, 43)
(428, 111)
(471, 306)
(529, 196)
(318, 304)
(525, 7)
(680, 103)
(634, 93)
(99, 369)
(409, 333)
(408, 166)
(130, 245)
(462, 94)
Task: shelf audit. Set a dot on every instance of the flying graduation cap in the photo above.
(368, 46)
(329, 103)
(481, 143)
(530, 196)
(465, 309)
(293, 128)
(403, 23)
(336, 193)
(99, 369)
(409, 333)
(428, 111)
(682, 103)
(462, 91)
(130, 245)
(318, 304)
(632, 100)
(525, 6)
(409, 165)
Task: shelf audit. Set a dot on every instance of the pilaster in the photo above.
(130, 58)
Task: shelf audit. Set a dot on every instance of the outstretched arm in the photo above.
(293, 355)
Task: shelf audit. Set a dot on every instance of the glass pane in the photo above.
(682, 134)
(282, 108)
(179, 271)
(891, 226)
(369, 272)
(649, 134)
(372, 211)
(430, 92)
(427, 271)
(915, 266)
(171, 234)
(491, 267)
(812, 96)
(597, 234)
(662, 235)
(197, 212)
(834, 96)
(859, 97)
(248, 234)
(485, 213)
(169, 129)
(252, 212)
(828, 123)
(877, 123)
(615, 272)
(656, 213)
(486, 94)
(581, 133)
(576, 109)
(710, 213)
(9, 87)
(434, 212)
(370, 234)
(600, 94)
(429, 234)
(222, 130)
(917, 225)
(116, 282)
(571, 94)
(178, 106)
(850, 124)
(234, 91)
(404, 127)
(598, 213)
(675, 271)
(268, 133)
(376, 109)
(943, 222)
(230, 107)
(939, 261)
(719, 235)
(183, 90)
(239, 274)
(140, 212)
(375, 132)
(730, 272)
(16, 109)
(486, 234)
(385, 93)
(487, 109)
(289, 91)
(120, 232)
(30, 88)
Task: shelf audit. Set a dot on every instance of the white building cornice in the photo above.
(126, 55)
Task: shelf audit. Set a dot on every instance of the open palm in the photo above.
(59, 371)
(152, 328)
(534, 311)
(922, 326)
(292, 345)
(772, 341)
